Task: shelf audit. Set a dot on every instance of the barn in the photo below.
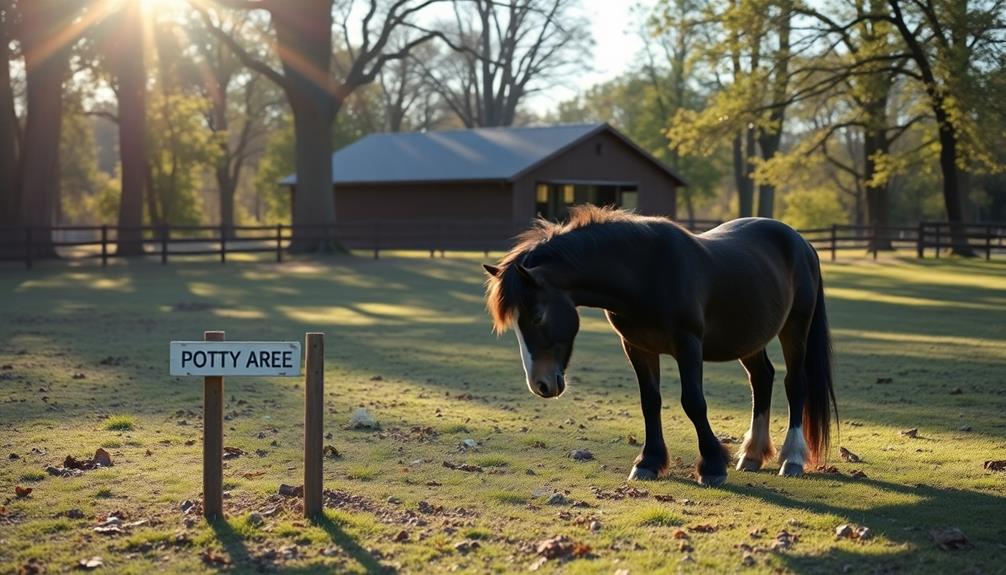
(473, 189)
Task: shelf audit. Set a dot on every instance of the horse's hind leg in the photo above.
(794, 453)
(757, 446)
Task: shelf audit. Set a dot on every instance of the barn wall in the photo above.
(602, 157)
(425, 216)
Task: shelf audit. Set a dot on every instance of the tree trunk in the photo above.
(769, 144)
(313, 202)
(304, 31)
(875, 144)
(951, 183)
(10, 209)
(131, 75)
(228, 188)
(742, 175)
(46, 66)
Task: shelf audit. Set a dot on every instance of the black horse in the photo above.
(717, 296)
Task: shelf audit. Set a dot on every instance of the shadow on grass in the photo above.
(906, 525)
(350, 546)
(231, 541)
(234, 544)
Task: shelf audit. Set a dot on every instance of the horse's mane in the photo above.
(554, 239)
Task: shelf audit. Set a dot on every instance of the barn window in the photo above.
(568, 194)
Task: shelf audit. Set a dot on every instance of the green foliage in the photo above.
(276, 163)
(179, 150)
(813, 208)
(120, 423)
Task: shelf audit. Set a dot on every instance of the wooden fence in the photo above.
(30, 244)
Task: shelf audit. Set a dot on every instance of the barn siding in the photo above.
(617, 162)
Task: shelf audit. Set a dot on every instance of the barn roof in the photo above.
(461, 155)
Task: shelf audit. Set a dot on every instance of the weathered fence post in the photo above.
(27, 247)
(988, 242)
(314, 418)
(223, 244)
(834, 241)
(938, 228)
(876, 238)
(104, 245)
(213, 440)
(164, 244)
(920, 244)
(279, 243)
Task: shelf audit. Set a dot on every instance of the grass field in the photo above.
(84, 364)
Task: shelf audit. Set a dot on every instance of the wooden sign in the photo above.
(213, 358)
(218, 358)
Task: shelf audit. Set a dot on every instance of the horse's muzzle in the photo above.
(542, 387)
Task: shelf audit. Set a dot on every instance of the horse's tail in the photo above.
(820, 395)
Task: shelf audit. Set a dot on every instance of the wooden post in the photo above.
(27, 247)
(834, 241)
(164, 245)
(213, 440)
(104, 245)
(223, 245)
(988, 243)
(314, 410)
(938, 226)
(920, 245)
(279, 243)
(876, 238)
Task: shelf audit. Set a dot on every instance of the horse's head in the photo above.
(543, 318)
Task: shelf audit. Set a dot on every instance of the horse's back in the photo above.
(757, 269)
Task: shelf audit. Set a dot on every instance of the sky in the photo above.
(615, 29)
(614, 26)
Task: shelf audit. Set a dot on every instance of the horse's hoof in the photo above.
(712, 480)
(790, 469)
(642, 474)
(748, 464)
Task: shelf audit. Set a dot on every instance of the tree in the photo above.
(303, 34)
(10, 132)
(243, 107)
(46, 47)
(503, 52)
(123, 50)
(749, 39)
(962, 38)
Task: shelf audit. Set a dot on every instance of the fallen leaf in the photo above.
(22, 492)
(291, 491)
(912, 433)
(102, 458)
(848, 455)
(211, 557)
(91, 564)
(995, 465)
(331, 452)
(949, 539)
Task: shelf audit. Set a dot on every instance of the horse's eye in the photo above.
(539, 318)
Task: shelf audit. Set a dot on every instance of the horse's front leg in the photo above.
(713, 457)
(652, 461)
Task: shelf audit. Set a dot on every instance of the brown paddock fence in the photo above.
(30, 244)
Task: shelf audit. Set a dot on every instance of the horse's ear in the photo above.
(528, 275)
(491, 270)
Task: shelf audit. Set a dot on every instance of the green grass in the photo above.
(120, 423)
(658, 517)
(908, 335)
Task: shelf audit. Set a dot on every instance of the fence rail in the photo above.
(169, 242)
